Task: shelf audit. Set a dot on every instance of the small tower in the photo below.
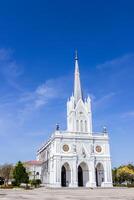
(79, 116)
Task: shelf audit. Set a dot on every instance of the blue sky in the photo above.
(37, 44)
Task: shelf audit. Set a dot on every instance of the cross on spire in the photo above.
(76, 55)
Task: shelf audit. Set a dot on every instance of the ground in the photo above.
(68, 194)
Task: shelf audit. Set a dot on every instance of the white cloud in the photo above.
(24, 103)
(10, 70)
(41, 95)
(129, 114)
(104, 100)
(5, 54)
(16, 111)
(121, 62)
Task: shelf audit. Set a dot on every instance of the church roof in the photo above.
(33, 162)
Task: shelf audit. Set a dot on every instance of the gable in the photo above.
(80, 108)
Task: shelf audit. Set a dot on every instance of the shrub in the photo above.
(119, 185)
(14, 183)
(130, 185)
(35, 182)
(6, 186)
(38, 181)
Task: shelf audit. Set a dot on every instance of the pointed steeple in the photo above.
(77, 83)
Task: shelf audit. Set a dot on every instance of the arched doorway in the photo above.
(65, 175)
(80, 176)
(99, 174)
(83, 174)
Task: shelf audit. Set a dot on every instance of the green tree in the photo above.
(125, 174)
(20, 175)
(131, 166)
(114, 175)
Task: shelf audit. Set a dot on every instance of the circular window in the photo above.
(65, 147)
(98, 148)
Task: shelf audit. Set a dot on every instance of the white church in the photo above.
(76, 157)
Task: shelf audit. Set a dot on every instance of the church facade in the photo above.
(76, 157)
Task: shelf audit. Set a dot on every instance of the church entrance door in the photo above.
(63, 176)
(99, 174)
(80, 176)
(83, 175)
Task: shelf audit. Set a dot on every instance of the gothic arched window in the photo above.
(85, 126)
(81, 126)
(77, 125)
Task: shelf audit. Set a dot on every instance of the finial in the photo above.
(104, 129)
(76, 55)
(57, 127)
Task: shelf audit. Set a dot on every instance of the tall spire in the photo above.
(77, 84)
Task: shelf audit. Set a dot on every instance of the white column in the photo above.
(92, 179)
(56, 173)
(107, 174)
(74, 175)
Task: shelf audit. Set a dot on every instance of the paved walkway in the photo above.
(68, 194)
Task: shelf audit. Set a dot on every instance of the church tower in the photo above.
(79, 115)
